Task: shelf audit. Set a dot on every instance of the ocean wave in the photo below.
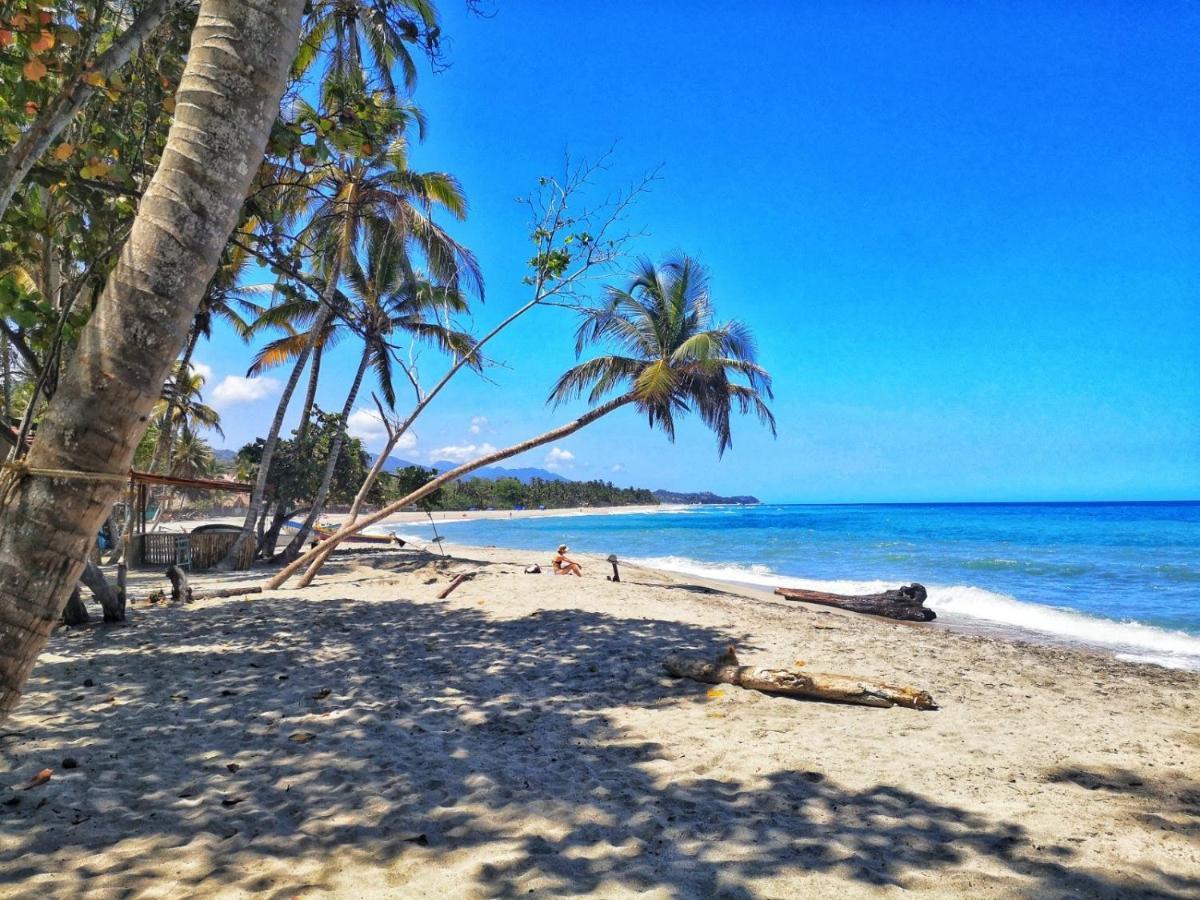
(1129, 640)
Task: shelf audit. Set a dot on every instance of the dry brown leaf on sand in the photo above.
(39, 779)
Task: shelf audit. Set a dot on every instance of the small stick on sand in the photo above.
(458, 579)
(839, 688)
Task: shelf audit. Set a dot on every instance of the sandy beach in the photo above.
(362, 739)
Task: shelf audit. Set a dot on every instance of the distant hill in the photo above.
(490, 473)
(702, 497)
(225, 455)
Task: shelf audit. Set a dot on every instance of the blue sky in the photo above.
(967, 237)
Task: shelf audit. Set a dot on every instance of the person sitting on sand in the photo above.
(564, 566)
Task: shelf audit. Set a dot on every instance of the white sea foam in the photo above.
(1128, 640)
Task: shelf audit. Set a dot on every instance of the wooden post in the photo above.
(616, 575)
(127, 546)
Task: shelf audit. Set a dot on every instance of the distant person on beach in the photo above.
(564, 566)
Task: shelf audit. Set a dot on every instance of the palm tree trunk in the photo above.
(318, 555)
(112, 604)
(57, 115)
(314, 375)
(318, 505)
(235, 74)
(268, 454)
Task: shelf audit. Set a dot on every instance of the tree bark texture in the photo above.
(75, 612)
(228, 98)
(838, 688)
(906, 603)
(110, 601)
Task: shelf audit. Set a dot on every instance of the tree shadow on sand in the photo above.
(291, 732)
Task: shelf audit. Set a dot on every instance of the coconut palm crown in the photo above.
(672, 356)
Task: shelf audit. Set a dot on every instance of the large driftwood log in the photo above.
(906, 603)
(839, 688)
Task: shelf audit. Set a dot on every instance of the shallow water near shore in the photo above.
(1123, 577)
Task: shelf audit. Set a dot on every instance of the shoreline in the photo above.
(956, 621)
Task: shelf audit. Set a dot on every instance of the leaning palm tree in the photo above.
(672, 358)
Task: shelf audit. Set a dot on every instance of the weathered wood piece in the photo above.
(907, 603)
(228, 592)
(838, 688)
(75, 612)
(181, 591)
(458, 579)
(616, 575)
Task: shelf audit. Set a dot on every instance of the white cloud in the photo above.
(558, 459)
(366, 425)
(478, 424)
(617, 467)
(235, 389)
(460, 453)
(204, 370)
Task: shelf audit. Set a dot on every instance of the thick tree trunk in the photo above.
(268, 454)
(907, 603)
(315, 557)
(75, 612)
(227, 100)
(839, 688)
(318, 504)
(112, 603)
(58, 114)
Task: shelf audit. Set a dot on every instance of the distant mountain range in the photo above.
(703, 497)
(528, 473)
(491, 473)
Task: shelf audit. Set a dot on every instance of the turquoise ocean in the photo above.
(1121, 577)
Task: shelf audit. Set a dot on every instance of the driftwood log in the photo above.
(838, 688)
(907, 603)
(458, 579)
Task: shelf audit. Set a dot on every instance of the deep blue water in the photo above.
(1124, 576)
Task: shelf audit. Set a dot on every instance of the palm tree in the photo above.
(192, 456)
(367, 38)
(673, 358)
(384, 305)
(140, 322)
(352, 195)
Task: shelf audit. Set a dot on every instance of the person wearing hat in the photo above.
(564, 566)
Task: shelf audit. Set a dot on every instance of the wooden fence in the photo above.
(189, 551)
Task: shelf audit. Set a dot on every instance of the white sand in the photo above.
(521, 738)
